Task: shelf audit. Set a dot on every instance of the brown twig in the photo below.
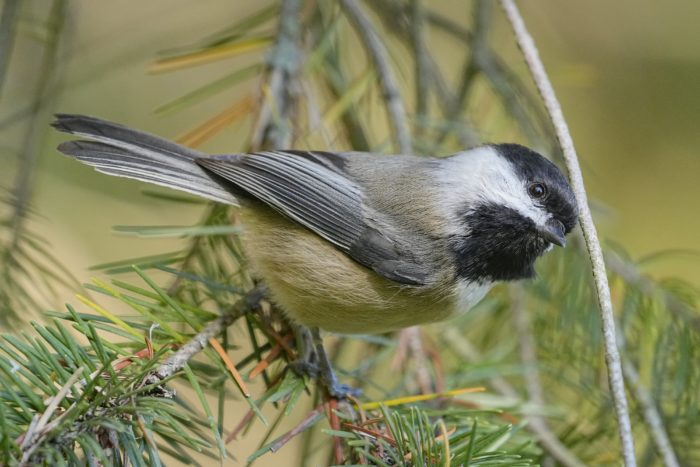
(267, 360)
(595, 252)
(305, 424)
(373, 433)
(334, 423)
(242, 424)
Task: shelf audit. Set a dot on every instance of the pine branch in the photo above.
(179, 359)
(612, 355)
(548, 440)
(26, 264)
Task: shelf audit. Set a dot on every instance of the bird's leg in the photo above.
(306, 364)
(327, 375)
(314, 362)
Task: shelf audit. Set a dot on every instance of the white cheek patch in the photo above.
(482, 176)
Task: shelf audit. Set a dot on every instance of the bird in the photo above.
(358, 242)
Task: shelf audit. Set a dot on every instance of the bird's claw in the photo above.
(315, 364)
(304, 368)
(342, 391)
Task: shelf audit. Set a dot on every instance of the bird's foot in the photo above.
(342, 391)
(316, 364)
(304, 367)
(327, 378)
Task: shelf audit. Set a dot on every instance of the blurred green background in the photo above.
(627, 74)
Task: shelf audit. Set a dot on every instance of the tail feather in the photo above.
(121, 151)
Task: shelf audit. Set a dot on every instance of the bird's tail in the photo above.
(117, 150)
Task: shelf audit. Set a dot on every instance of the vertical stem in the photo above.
(528, 355)
(30, 153)
(378, 55)
(651, 415)
(527, 346)
(272, 125)
(473, 65)
(422, 63)
(612, 354)
(7, 35)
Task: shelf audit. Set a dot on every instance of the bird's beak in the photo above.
(553, 232)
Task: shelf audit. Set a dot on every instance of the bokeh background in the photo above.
(626, 72)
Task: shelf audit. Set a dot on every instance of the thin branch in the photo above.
(13, 256)
(397, 116)
(47, 72)
(478, 51)
(271, 128)
(37, 430)
(388, 11)
(377, 53)
(528, 355)
(612, 354)
(177, 361)
(527, 346)
(503, 80)
(651, 415)
(7, 35)
(269, 131)
(338, 85)
(421, 61)
(309, 421)
(547, 439)
(415, 345)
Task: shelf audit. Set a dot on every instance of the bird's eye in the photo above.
(537, 190)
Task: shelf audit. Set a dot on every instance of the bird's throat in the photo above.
(499, 244)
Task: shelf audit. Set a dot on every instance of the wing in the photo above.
(313, 189)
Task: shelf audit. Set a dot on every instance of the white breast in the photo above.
(470, 293)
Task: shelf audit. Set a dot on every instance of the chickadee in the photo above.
(357, 242)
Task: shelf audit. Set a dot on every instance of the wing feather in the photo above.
(312, 195)
(313, 189)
